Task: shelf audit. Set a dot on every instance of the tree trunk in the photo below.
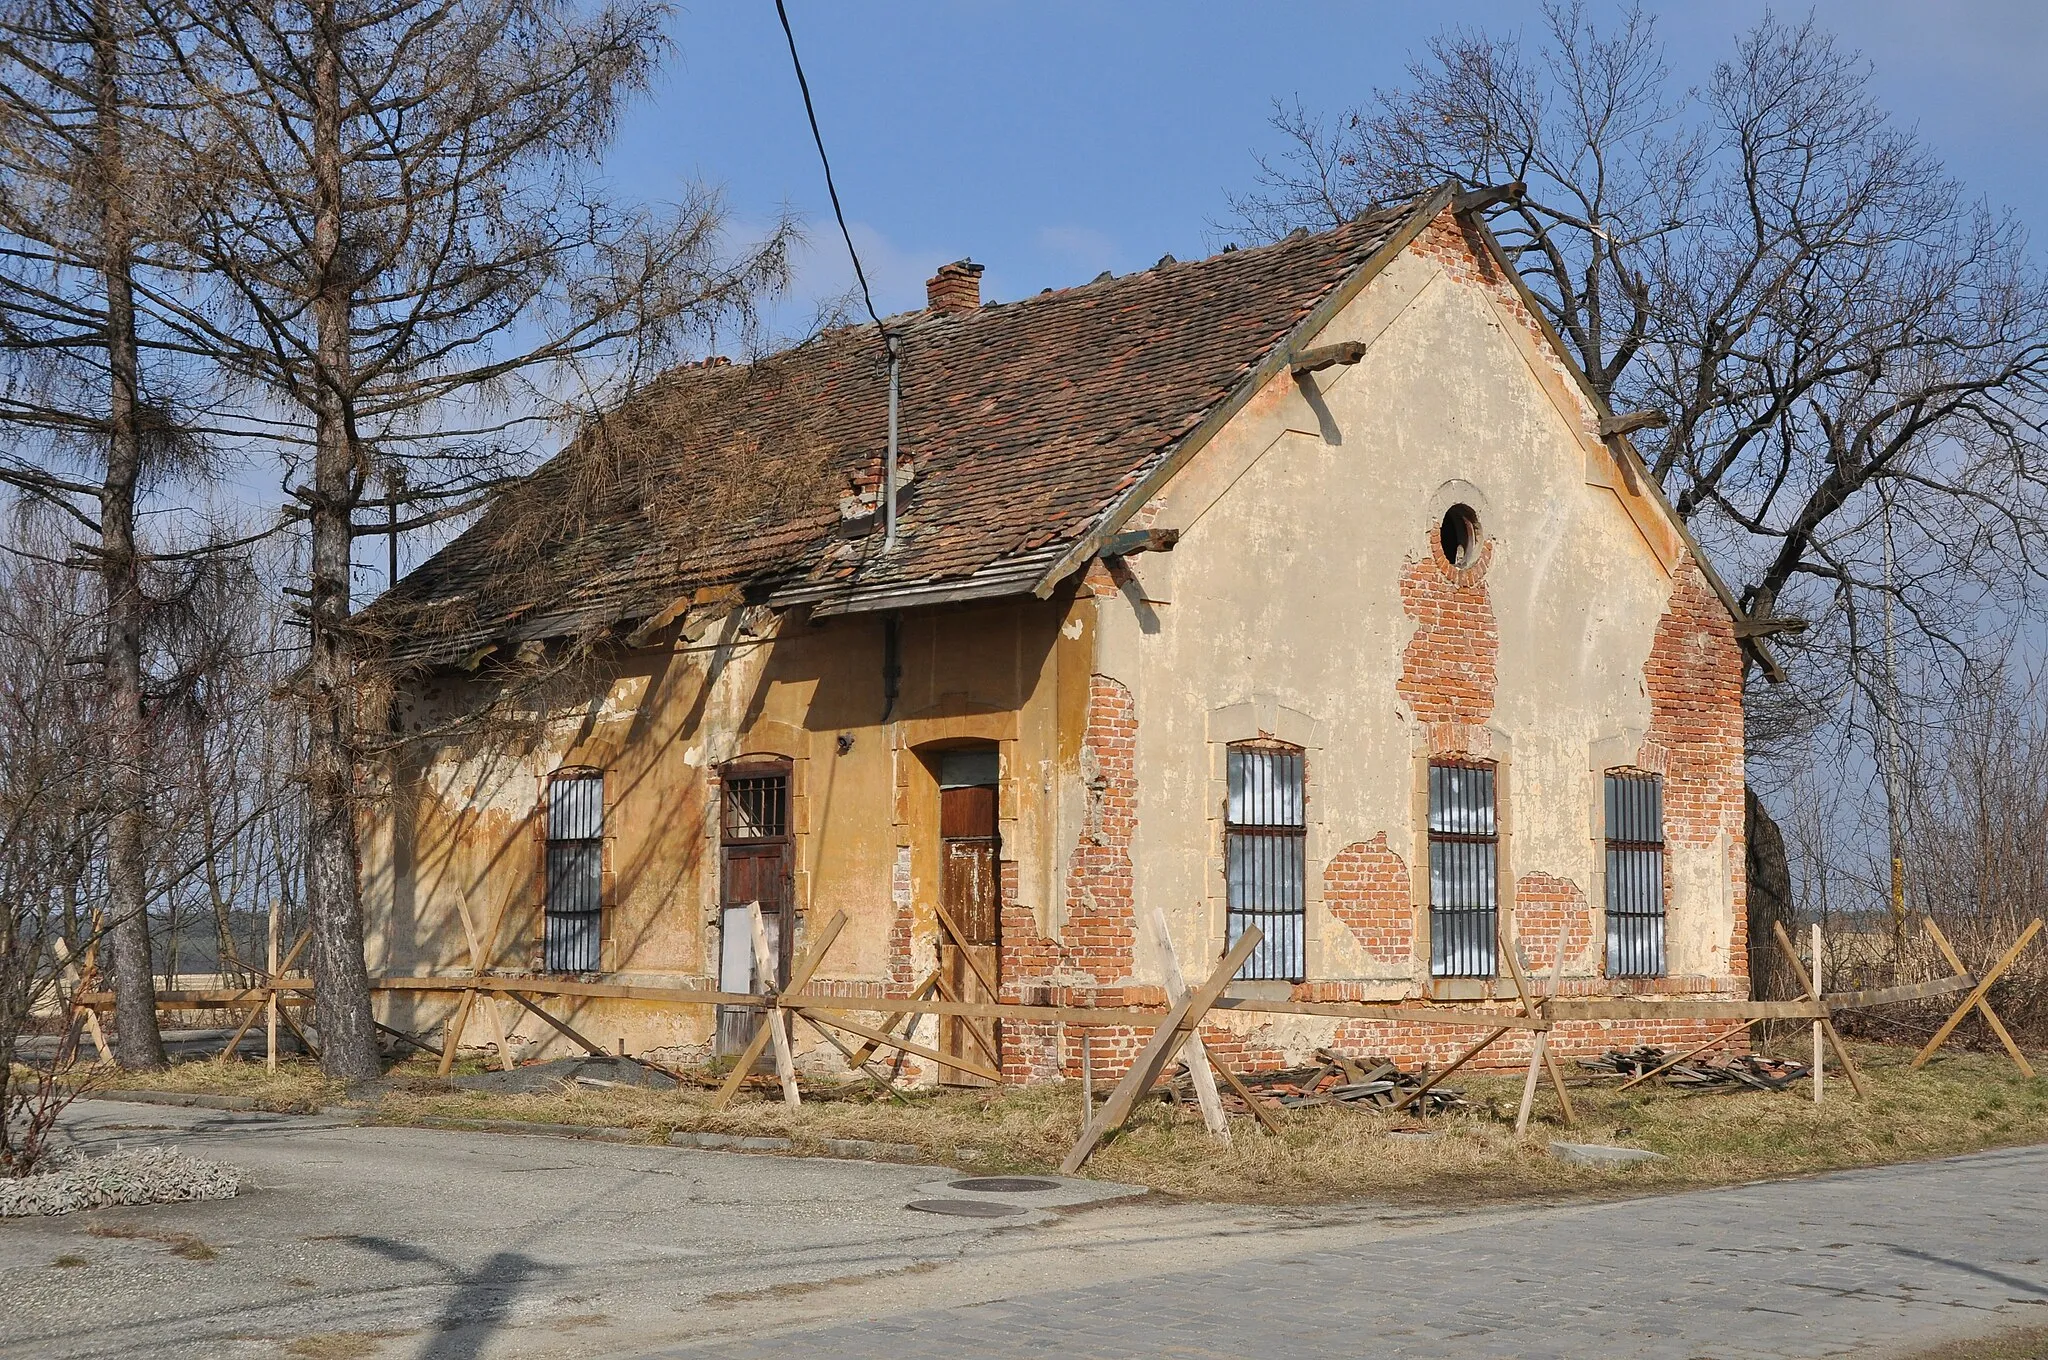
(341, 982)
(1770, 901)
(137, 1041)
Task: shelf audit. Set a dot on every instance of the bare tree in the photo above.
(88, 184)
(1839, 342)
(55, 801)
(410, 261)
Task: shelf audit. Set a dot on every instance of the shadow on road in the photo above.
(2033, 1287)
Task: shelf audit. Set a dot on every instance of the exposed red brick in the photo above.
(1447, 668)
(1543, 902)
(1694, 679)
(1366, 886)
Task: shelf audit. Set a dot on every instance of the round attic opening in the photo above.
(1458, 535)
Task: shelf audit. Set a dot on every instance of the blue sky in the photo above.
(1053, 140)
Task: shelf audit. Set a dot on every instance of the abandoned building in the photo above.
(1304, 586)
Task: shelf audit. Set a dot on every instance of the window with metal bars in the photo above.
(1464, 870)
(756, 807)
(1635, 875)
(575, 867)
(1265, 857)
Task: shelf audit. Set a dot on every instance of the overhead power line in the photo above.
(810, 110)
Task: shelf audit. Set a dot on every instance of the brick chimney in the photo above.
(955, 288)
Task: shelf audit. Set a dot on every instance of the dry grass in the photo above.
(2020, 1343)
(339, 1345)
(1961, 1103)
(183, 1244)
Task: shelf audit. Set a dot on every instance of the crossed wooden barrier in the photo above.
(1176, 1033)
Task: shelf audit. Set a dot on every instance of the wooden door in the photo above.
(969, 890)
(754, 866)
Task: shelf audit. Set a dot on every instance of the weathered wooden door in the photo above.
(970, 962)
(754, 866)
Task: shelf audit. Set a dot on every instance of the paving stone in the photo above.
(1860, 1262)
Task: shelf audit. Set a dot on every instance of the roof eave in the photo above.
(1275, 364)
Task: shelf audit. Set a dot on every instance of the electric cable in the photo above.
(810, 111)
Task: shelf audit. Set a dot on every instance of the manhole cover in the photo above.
(1004, 1185)
(967, 1208)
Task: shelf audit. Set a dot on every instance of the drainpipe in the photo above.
(889, 464)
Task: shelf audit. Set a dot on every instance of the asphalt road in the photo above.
(359, 1242)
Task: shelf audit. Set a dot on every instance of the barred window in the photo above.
(1635, 875)
(575, 868)
(1265, 857)
(1464, 870)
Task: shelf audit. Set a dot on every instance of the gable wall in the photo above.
(1306, 601)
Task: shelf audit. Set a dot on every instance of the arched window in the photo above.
(1464, 869)
(1635, 875)
(1265, 857)
(575, 873)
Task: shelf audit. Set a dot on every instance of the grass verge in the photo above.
(1961, 1102)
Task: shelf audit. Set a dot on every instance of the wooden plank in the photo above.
(1512, 949)
(227, 1049)
(974, 1032)
(988, 980)
(1689, 1053)
(586, 1045)
(1977, 994)
(859, 1056)
(1983, 1004)
(1819, 1067)
(1827, 1025)
(1910, 991)
(853, 1060)
(1467, 1056)
(1195, 1051)
(405, 1038)
(76, 980)
(776, 1023)
(799, 975)
(1586, 1008)
(1237, 1087)
(876, 1036)
(452, 1040)
(270, 1003)
(1145, 1070)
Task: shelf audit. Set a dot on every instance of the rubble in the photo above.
(1365, 1084)
(1721, 1072)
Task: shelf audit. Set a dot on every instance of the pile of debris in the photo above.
(1366, 1084)
(1721, 1072)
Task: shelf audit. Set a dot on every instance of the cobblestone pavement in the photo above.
(1863, 1263)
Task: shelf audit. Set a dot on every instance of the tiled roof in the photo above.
(1021, 425)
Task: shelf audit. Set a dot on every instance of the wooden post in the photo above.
(76, 979)
(453, 1038)
(270, 1026)
(1165, 1040)
(1977, 993)
(1955, 961)
(777, 1022)
(1819, 1039)
(1815, 999)
(799, 976)
(1195, 1052)
(1087, 1076)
